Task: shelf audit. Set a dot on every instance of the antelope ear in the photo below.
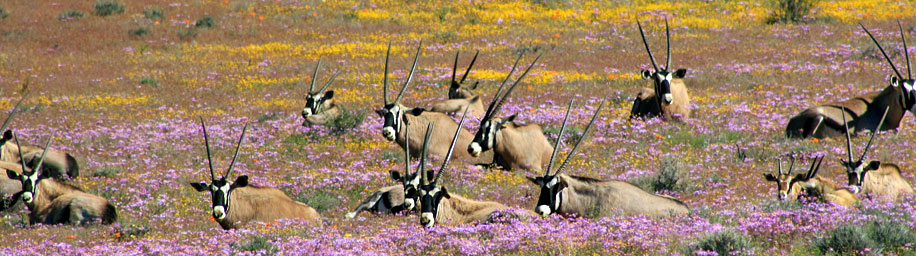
(474, 86)
(200, 186)
(445, 193)
(769, 177)
(395, 175)
(561, 183)
(12, 175)
(7, 135)
(241, 181)
(894, 82)
(380, 112)
(680, 73)
(799, 177)
(646, 74)
(533, 180)
(508, 119)
(475, 99)
(416, 111)
(329, 95)
(455, 85)
(873, 165)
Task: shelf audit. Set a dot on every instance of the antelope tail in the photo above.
(110, 215)
(73, 168)
(366, 204)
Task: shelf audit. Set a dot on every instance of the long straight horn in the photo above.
(237, 149)
(584, 135)
(668, 37)
(500, 90)
(779, 165)
(207, 143)
(451, 149)
(512, 88)
(556, 145)
(12, 113)
(328, 84)
(848, 139)
(791, 165)
(874, 134)
(813, 171)
(406, 150)
(882, 51)
(385, 75)
(21, 159)
(422, 167)
(455, 66)
(468, 71)
(906, 53)
(410, 75)
(655, 65)
(43, 153)
(315, 75)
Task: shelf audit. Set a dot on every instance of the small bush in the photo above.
(105, 8)
(322, 201)
(70, 15)
(154, 13)
(138, 32)
(791, 11)
(108, 172)
(347, 121)
(149, 81)
(846, 239)
(258, 243)
(205, 22)
(667, 178)
(131, 232)
(728, 242)
(891, 236)
(186, 33)
(3, 13)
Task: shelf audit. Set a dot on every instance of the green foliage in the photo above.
(442, 13)
(728, 242)
(347, 121)
(205, 22)
(154, 13)
(3, 13)
(149, 81)
(846, 239)
(71, 14)
(791, 11)
(138, 32)
(668, 178)
(187, 33)
(258, 243)
(322, 201)
(892, 236)
(107, 172)
(128, 232)
(106, 7)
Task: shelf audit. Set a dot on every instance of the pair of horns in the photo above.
(498, 100)
(646, 43)
(466, 72)
(815, 166)
(873, 135)
(234, 157)
(448, 156)
(556, 146)
(315, 78)
(41, 160)
(409, 76)
(905, 52)
(791, 166)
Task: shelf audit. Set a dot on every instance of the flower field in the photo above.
(123, 94)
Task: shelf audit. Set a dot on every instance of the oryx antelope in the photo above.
(820, 188)
(393, 199)
(9, 188)
(864, 111)
(319, 105)
(668, 97)
(874, 177)
(515, 146)
(588, 197)
(437, 205)
(395, 115)
(237, 203)
(461, 97)
(54, 202)
(57, 163)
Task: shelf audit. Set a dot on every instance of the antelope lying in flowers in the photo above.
(668, 97)
(237, 203)
(875, 177)
(319, 105)
(565, 194)
(811, 184)
(57, 163)
(461, 97)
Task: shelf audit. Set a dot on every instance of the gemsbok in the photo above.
(588, 197)
(51, 201)
(393, 199)
(817, 187)
(395, 115)
(461, 97)
(58, 164)
(237, 203)
(668, 97)
(319, 105)
(863, 112)
(437, 205)
(876, 178)
(9, 187)
(515, 146)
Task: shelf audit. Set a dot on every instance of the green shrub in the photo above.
(108, 172)
(791, 11)
(258, 243)
(728, 242)
(322, 201)
(667, 178)
(347, 121)
(154, 13)
(186, 33)
(3, 13)
(846, 239)
(138, 32)
(205, 22)
(105, 8)
(892, 236)
(69, 15)
(149, 81)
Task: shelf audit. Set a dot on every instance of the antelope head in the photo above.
(784, 180)
(432, 192)
(29, 179)
(314, 100)
(486, 133)
(550, 199)
(661, 77)
(456, 90)
(856, 169)
(907, 86)
(409, 181)
(393, 112)
(221, 188)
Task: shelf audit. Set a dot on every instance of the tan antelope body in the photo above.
(461, 98)
(319, 107)
(457, 210)
(862, 112)
(667, 95)
(235, 204)
(811, 184)
(57, 163)
(827, 191)
(874, 177)
(9, 187)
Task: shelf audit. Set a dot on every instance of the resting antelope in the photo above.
(668, 97)
(812, 184)
(54, 202)
(58, 163)
(395, 115)
(588, 197)
(9, 187)
(237, 203)
(875, 177)
(460, 97)
(863, 111)
(393, 199)
(514, 146)
(319, 105)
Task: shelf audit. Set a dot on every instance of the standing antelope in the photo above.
(812, 184)
(54, 202)
(588, 197)
(237, 203)
(459, 97)
(668, 97)
(863, 111)
(881, 179)
(395, 115)
(393, 199)
(319, 105)
(58, 163)
(514, 146)
(437, 205)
